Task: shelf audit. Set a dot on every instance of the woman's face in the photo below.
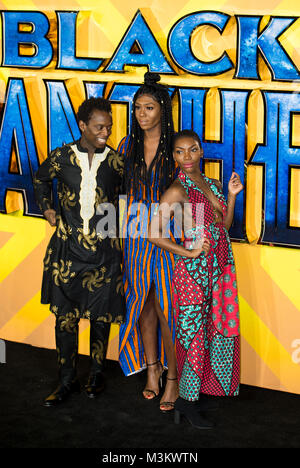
(187, 153)
(148, 112)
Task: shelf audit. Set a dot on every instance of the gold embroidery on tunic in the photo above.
(115, 243)
(88, 240)
(94, 279)
(62, 273)
(55, 167)
(100, 197)
(116, 161)
(54, 309)
(106, 319)
(67, 198)
(73, 158)
(62, 231)
(47, 259)
(86, 314)
(98, 351)
(68, 322)
(119, 287)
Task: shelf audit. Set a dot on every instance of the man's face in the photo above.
(95, 133)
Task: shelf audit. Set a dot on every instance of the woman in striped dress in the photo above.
(147, 337)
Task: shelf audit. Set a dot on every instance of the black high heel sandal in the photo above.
(170, 404)
(149, 390)
(189, 410)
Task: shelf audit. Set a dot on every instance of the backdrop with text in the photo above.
(233, 70)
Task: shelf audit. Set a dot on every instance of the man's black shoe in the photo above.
(62, 393)
(95, 385)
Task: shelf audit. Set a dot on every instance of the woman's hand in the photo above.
(194, 253)
(235, 185)
(206, 246)
(50, 216)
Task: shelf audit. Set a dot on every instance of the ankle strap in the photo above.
(153, 363)
(171, 379)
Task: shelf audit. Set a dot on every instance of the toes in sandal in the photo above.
(167, 404)
(149, 390)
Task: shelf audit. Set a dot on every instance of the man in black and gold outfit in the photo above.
(82, 275)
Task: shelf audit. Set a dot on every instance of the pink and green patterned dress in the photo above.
(206, 305)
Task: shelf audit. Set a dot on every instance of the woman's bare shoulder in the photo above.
(175, 193)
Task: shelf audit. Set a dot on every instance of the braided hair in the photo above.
(135, 166)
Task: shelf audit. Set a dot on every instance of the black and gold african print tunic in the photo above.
(82, 266)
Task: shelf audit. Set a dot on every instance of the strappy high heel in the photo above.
(149, 390)
(170, 404)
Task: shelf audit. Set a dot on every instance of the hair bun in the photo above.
(151, 78)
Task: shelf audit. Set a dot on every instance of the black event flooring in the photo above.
(122, 419)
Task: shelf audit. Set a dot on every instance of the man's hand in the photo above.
(50, 216)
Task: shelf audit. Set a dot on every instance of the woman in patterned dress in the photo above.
(147, 337)
(204, 281)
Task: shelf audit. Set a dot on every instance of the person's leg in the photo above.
(66, 336)
(99, 336)
(171, 389)
(148, 322)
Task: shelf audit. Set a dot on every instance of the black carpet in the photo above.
(121, 419)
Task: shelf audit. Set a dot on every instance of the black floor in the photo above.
(122, 419)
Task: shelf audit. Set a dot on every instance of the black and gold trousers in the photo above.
(66, 336)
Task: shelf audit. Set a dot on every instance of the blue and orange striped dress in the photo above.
(144, 264)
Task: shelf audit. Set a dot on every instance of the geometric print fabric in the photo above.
(206, 309)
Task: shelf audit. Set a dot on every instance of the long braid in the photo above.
(136, 170)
